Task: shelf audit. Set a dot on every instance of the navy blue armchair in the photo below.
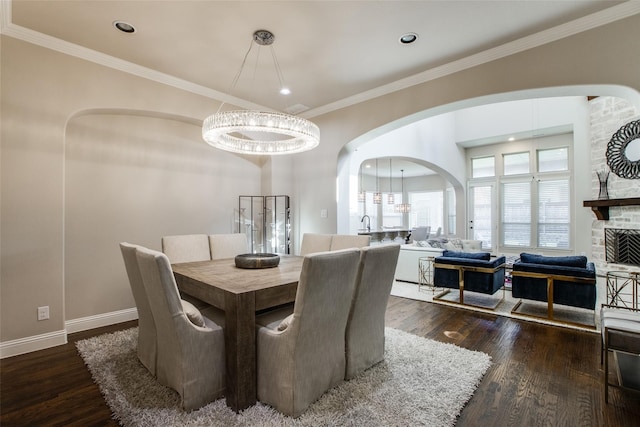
(567, 280)
(469, 271)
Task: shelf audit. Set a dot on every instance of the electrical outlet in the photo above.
(43, 313)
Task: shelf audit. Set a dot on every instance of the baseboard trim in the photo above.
(33, 343)
(100, 320)
(56, 338)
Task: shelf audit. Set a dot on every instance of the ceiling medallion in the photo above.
(259, 132)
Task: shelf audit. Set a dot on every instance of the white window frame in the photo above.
(534, 177)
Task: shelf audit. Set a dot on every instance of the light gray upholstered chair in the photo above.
(227, 245)
(420, 233)
(146, 326)
(186, 248)
(365, 328)
(313, 242)
(346, 241)
(191, 352)
(301, 356)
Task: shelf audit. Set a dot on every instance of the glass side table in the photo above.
(622, 289)
(425, 273)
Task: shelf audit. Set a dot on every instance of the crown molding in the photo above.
(11, 30)
(611, 14)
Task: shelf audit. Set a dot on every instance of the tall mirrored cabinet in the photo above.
(266, 220)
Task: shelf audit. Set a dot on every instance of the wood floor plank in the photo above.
(540, 375)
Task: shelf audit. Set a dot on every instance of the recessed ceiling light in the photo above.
(512, 138)
(124, 27)
(408, 38)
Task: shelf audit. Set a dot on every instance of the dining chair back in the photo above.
(364, 335)
(346, 241)
(147, 347)
(186, 248)
(314, 242)
(303, 355)
(191, 357)
(227, 245)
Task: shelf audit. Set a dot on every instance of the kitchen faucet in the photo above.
(368, 222)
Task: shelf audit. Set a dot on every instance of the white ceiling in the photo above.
(330, 52)
(409, 169)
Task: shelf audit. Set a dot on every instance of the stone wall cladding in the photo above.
(607, 115)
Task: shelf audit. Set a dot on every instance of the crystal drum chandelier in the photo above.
(259, 132)
(390, 195)
(403, 207)
(377, 196)
(362, 196)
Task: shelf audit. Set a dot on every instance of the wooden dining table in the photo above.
(240, 293)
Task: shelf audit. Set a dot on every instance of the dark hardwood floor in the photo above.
(540, 376)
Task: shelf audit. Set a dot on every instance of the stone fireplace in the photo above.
(615, 241)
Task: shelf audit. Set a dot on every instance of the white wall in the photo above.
(136, 178)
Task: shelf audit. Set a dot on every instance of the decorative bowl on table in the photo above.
(259, 260)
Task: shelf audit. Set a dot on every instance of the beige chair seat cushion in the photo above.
(275, 319)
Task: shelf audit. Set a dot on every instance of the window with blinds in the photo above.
(482, 167)
(481, 219)
(516, 163)
(553, 214)
(426, 209)
(533, 194)
(516, 214)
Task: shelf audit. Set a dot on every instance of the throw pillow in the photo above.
(457, 243)
(451, 247)
(193, 314)
(436, 243)
(483, 256)
(285, 323)
(472, 245)
(563, 261)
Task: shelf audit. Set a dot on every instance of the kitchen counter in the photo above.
(385, 234)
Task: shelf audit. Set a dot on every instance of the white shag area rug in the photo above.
(421, 382)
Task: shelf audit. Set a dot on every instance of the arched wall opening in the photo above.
(433, 137)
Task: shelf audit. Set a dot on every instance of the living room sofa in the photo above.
(407, 267)
(566, 280)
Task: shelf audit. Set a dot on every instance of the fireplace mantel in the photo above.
(601, 207)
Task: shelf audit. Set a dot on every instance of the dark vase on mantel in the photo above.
(603, 177)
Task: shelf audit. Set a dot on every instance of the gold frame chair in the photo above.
(461, 270)
(551, 278)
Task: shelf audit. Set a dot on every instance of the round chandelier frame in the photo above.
(260, 132)
(271, 133)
